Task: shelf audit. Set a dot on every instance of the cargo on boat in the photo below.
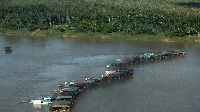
(128, 71)
(67, 91)
(92, 81)
(61, 105)
(72, 91)
(81, 85)
(117, 64)
(116, 74)
(125, 61)
(107, 72)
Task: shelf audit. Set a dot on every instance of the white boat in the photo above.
(117, 60)
(107, 72)
(107, 66)
(42, 100)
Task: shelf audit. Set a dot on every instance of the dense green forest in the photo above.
(132, 17)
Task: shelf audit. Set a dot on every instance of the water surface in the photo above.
(37, 64)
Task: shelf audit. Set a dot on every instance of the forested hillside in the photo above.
(169, 17)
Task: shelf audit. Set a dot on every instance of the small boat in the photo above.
(21, 102)
(118, 59)
(108, 66)
(56, 91)
(8, 49)
(42, 100)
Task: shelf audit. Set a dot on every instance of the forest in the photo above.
(132, 17)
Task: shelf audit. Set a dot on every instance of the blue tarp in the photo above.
(45, 100)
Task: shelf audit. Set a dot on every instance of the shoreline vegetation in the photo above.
(167, 20)
(96, 35)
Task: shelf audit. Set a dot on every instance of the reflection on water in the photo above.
(37, 64)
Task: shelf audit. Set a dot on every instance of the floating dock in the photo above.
(66, 94)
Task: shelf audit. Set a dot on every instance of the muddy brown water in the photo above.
(37, 64)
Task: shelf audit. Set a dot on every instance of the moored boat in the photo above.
(8, 49)
(42, 100)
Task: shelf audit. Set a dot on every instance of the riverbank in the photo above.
(57, 33)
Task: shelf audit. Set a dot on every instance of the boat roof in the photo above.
(61, 102)
(8, 47)
(91, 80)
(166, 52)
(117, 63)
(71, 89)
(63, 97)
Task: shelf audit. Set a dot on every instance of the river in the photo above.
(37, 64)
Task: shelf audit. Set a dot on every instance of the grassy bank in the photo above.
(57, 33)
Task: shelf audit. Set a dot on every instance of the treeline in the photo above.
(95, 17)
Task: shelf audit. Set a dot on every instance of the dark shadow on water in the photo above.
(190, 4)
